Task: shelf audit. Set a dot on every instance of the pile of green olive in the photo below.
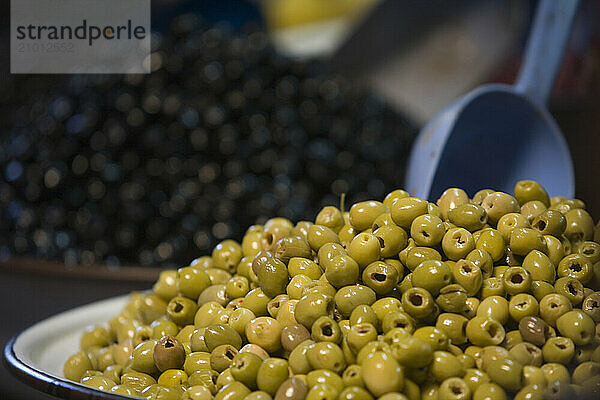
(490, 297)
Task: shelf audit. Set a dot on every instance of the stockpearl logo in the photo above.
(80, 36)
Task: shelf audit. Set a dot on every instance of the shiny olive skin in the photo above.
(364, 213)
(191, 282)
(418, 302)
(182, 310)
(539, 266)
(394, 195)
(326, 355)
(76, 366)
(291, 389)
(382, 374)
(471, 217)
(272, 277)
(454, 326)
(412, 352)
(217, 292)
(318, 235)
(330, 217)
(265, 332)
(527, 354)
(226, 255)
(576, 325)
(451, 199)
(445, 365)
(571, 288)
(432, 275)
(348, 297)
(457, 243)
(381, 277)
(222, 356)
(365, 248)
(534, 330)
(485, 331)
(495, 307)
(492, 242)
(552, 306)
(218, 334)
(325, 329)
(312, 306)
(342, 271)
(579, 226)
(509, 222)
(168, 353)
(293, 335)
(522, 305)
(468, 274)
(498, 204)
(505, 372)
(576, 266)
(558, 350)
(392, 240)
(427, 230)
(591, 306)
(527, 190)
(244, 368)
(416, 255)
(405, 210)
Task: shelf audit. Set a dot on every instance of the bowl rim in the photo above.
(44, 382)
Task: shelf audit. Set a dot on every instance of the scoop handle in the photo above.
(545, 47)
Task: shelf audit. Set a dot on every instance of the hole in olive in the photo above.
(268, 238)
(553, 305)
(378, 276)
(381, 242)
(482, 218)
(326, 330)
(561, 346)
(575, 267)
(467, 269)
(169, 344)
(572, 289)
(588, 251)
(516, 278)
(177, 307)
(456, 389)
(415, 299)
(400, 324)
(541, 225)
(229, 354)
(425, 234)
(363, 329)
(492, 330)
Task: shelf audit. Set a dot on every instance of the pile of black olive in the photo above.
(154, 169)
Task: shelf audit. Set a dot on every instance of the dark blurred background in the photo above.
(253, 109)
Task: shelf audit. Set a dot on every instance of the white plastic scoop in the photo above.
(499, 134)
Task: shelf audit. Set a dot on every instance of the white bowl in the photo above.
(36, 356)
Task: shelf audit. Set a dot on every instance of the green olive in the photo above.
(529, 191)
(498, 204)
(382, 374)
